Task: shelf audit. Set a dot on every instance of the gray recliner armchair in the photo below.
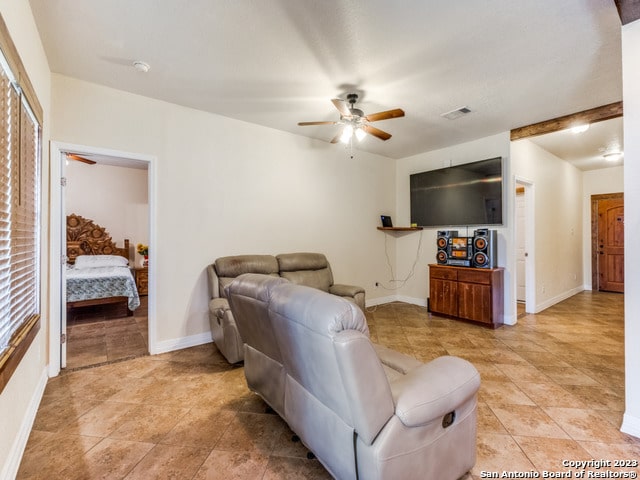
(221, 273)
(311, 269)
(365, 411)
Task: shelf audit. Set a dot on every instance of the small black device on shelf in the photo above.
(386, 221)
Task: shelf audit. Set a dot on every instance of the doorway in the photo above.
(58, 311)
(524, 234)
(607, 242)
(106, 212)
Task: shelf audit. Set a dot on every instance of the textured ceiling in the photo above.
(278, 62)
(586, 150)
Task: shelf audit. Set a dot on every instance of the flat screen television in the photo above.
(458, 196)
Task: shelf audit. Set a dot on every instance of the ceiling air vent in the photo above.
(457, 113)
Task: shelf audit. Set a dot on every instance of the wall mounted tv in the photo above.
(458, 196)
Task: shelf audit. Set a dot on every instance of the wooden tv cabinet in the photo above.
(471, 294)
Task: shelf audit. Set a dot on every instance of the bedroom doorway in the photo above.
(106, 215)
(113, 191)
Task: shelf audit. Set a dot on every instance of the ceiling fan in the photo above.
(73, 156)
(355, 122)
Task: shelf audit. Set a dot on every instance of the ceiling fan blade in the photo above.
(304, 124)
(395, 113)
(376, 132)
(72, 156)
(342, 107)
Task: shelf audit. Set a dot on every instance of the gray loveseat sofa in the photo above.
(310, 269)
(364, 410)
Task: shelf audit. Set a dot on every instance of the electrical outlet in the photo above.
(543, 289)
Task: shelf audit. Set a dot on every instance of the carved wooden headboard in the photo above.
(84, 237)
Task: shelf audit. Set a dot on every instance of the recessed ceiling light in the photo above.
(141, 66)
(580, 128)
(613, 156)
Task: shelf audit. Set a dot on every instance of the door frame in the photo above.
(595, 277)
(57, 245)
(529, 244)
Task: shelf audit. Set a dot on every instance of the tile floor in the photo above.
(103, 333)
(552, 390)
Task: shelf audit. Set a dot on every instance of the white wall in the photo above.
(115, 198)
(596, 182)
(416, 290)
(558, 219)
(631, 99)
(227, 187)
(19, 399)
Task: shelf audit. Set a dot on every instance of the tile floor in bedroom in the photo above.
(104, 333)
(552, 390)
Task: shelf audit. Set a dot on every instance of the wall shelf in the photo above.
(400, 229)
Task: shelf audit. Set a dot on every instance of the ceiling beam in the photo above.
(629, 10)
(593, 115)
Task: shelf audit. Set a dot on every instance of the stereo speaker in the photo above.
(442, 242)
(485, 247)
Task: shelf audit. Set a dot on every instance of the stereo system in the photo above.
(479, 251)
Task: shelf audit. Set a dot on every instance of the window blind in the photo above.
(19, 201)
(8, 131)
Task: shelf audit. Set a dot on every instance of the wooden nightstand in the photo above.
(141, 275)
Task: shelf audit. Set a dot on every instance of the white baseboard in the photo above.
(396, 298)
(380, 300)
(422, 302)
(180, 343)
(558, 298)
(10, 468)
(510, 319)
(630, 425)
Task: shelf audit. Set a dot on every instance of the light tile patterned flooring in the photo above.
(552, 390)
(102, 333)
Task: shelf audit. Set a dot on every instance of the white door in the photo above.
(521, 252)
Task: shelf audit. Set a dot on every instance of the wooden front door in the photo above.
(610, 244)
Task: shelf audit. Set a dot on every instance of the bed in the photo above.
(98, 271)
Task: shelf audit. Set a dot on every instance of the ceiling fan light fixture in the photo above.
(355, 122)
(347, 133)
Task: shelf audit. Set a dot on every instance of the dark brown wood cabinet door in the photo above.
(611, 244)
(474, 302)
(443, 296)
